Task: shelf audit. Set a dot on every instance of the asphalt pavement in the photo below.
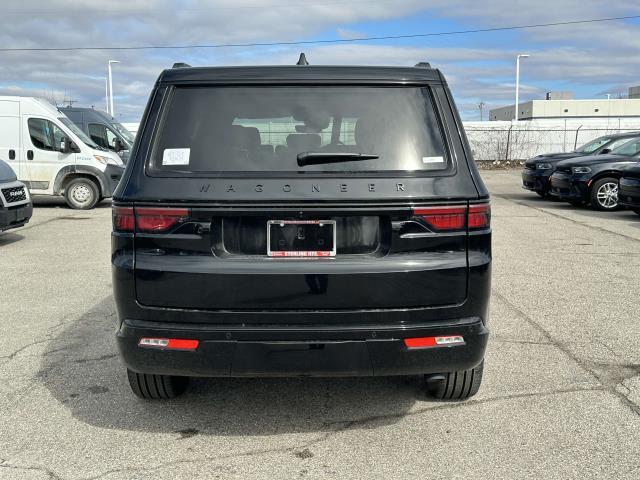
(560, 397)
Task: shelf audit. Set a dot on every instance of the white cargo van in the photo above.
(52, 156)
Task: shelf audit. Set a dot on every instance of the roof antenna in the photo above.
(302, 60)
(423, 65)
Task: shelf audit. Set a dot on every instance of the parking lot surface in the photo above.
(560, 397)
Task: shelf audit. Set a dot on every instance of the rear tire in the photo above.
(82, 194)
(156, 387)
(455, 385)
(604, 194)
(636, 211)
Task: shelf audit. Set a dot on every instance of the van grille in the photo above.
(14, 194)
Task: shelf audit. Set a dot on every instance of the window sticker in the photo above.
(429, 160)
(176, 156)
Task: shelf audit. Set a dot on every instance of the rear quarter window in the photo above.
(264, 130)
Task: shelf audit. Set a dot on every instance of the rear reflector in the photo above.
(156, 220)
(424, 342)
(123, 220)
(169, 343)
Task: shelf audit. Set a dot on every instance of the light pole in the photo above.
(522, 55)
(111, 87)
(106, 93)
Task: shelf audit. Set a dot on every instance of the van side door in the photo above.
(42, 153)
(10, 144)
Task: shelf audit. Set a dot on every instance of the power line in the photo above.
(327, 41)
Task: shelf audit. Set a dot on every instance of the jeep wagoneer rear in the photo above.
(281, 221)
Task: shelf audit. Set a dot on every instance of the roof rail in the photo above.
(302, 61)
(423, 65)
(181, 65)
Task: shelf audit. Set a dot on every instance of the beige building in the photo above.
(560, 109)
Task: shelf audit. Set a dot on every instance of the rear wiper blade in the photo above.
(318, 158)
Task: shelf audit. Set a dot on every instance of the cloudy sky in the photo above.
(590, 60)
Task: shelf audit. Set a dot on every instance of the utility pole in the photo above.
(481, 107)
(111, 87)
(522, 55)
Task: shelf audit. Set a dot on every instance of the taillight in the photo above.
(479, 216)
(455, 218)
(157, 219)
(123, 220)
(443, 218)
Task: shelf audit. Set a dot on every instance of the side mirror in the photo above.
(605, 150)
(65, 147)
(117, 145)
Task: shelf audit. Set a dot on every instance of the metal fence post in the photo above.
(506, 157)
(575, 143)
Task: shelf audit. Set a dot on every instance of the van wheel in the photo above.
(81, 194)
(156, 387)
(455, 385)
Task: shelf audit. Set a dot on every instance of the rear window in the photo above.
(268, 129)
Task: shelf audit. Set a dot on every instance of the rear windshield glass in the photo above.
(269, 129)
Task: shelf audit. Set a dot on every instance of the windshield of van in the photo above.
(121, 129)
(268, 129)
(79, 133)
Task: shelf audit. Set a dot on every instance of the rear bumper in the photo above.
(363, 350)
(536, 180)
(629, 192)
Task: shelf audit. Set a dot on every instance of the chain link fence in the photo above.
(515, 143)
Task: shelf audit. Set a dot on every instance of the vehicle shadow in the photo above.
(9, 238)
(82, 370)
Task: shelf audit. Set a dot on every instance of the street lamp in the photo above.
(111, 87)
(106, 92)
(522, 55)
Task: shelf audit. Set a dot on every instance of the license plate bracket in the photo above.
(301, 238)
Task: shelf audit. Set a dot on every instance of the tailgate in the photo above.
(384, 257)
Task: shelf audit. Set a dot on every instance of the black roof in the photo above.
(308, 74)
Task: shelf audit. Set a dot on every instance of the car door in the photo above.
(42, 154)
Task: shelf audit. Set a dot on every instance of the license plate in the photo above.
(301, 238)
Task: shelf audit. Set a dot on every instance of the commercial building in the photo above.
(559, 105)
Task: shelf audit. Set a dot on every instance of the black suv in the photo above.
(15, 201)
(537, 171)
(301, 220)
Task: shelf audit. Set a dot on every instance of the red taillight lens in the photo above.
(443, 218)
(123, 220)
(455, 218)
(479, 216)
(156, 220)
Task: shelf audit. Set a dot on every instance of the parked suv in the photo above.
(15, 202)
(537, 171)
(302, 220)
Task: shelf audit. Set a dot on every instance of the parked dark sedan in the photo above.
(594, 179)
(629, 189)
(538, 170)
